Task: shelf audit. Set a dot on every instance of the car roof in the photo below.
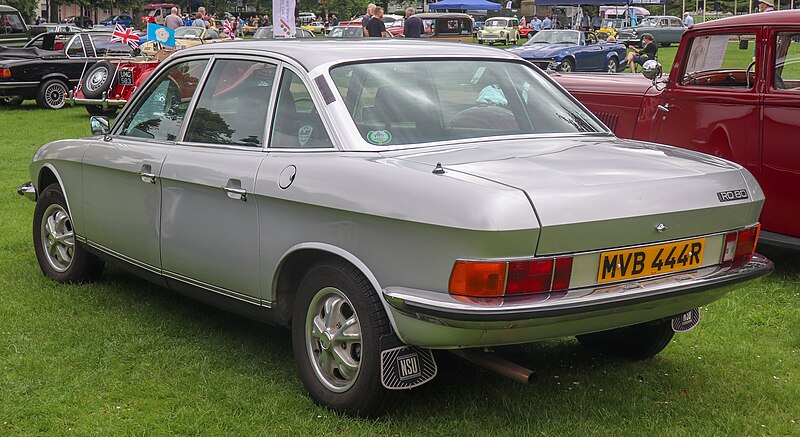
(775, 18)
(4, 8)
(320, 51)
(429, 15)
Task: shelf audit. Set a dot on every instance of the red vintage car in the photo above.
(733, 92)
(108, 85)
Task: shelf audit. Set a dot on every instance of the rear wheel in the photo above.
(52, 94)
(612, 66)
(637, 342)
(337, 325)
(61, 257)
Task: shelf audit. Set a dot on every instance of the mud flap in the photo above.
(407, 367)
(686, 321)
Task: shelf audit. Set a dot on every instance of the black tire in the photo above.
(361, 394)
(99, 110)
(11, 101)
(567, 66)
(97, 80)
(665, 44)
(61, 257)
(612, 66)
(52, 94)
(637, 342)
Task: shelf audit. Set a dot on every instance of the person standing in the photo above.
(687, 19)
(413, 26)
(522, 22)
(547, 23)
(334, 20)
(367, 18)
(173, 20)
(198, 20)
(376, 28)
(765, 6)
(536, 23)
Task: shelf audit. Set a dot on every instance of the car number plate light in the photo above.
(646, 261)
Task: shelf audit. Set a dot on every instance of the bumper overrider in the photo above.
(28, 191)
(441, 321)
(104, 101)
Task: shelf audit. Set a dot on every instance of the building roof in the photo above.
(313, 52)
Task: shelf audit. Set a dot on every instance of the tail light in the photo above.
(5, 72)
(510, 278)
(740, 246)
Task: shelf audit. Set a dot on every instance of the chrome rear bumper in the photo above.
(105, 102)
(438, 320)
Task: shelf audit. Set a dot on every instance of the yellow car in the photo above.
(187, 37)
(315, 26)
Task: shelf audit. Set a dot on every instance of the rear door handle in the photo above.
(147, 174)
(235, 190)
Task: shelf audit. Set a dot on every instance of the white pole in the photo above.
(704, 11)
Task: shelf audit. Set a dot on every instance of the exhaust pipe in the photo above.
(497, 364)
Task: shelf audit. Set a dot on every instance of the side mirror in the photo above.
(100, 125)
(743, 44)
(651, 69)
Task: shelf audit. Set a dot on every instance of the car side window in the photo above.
(787, 62)
(160, 114)
(717, 60)
(297, 123)
(75, 49)
(232, 108)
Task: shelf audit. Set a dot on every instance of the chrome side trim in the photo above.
(127, 259)
(218, 290)
(17, 84)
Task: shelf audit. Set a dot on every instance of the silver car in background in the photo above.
(385, 198)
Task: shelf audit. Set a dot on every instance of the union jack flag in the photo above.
(227, 28)
(125, 35)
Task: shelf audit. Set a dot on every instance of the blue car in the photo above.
(125, 20)
(572, 50)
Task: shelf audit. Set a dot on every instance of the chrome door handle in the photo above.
(146, 174)
(664, 107)
(236, 193)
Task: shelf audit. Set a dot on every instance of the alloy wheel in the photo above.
(58, 238)
(54, 95)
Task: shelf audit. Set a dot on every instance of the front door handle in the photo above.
(664, 107)
(147, 174)
(235, 190)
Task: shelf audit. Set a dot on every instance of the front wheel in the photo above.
(61, 257)
(637, 342)
(612, 66)
(566, 66)
(337, 325)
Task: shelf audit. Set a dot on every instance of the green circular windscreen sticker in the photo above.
(379, 137)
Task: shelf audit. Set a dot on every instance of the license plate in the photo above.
(650, 260)
(125, 77)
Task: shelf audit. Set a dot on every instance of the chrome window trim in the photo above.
(69, 43)
(138, 96)
(201, 87)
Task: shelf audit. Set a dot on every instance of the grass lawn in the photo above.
(125, 357)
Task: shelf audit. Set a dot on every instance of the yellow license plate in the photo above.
(651, 260)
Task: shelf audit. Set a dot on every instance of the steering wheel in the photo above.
(747, 73)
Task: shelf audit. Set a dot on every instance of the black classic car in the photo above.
(51, 64)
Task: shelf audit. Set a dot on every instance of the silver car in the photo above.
(386, 198)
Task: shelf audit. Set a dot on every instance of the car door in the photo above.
(710, 105)
(780, 153)
(209, 220)
(121, 183)
(676, 29)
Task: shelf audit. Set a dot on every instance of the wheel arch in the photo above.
(49, 175)
(60, 76)
(294, 264)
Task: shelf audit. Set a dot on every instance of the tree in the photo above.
(28, 8)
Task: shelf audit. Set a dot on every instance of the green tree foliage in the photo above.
(28, 8)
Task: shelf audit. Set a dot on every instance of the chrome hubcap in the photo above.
(58, 238)
(96, 79)
(54, 95)
(566, 67)
(612, 66)
(333, 339)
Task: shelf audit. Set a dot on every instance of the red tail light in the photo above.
(5, 72)
(740, 246)
(510, 278)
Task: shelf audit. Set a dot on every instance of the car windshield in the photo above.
(648, 22)
(188, 32)
(555, 37)
(419, 102)
(346, 32)
(496, 23)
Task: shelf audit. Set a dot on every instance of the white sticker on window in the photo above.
(304, 134)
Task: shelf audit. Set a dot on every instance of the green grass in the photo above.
(123, 357)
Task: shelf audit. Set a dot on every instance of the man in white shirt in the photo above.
(173, 20)
(687, 19)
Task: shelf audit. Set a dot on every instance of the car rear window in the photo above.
(419, 102)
